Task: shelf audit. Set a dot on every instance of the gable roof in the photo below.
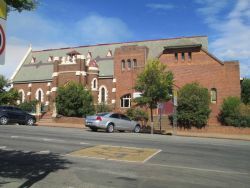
(42, 70)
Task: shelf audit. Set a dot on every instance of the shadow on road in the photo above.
(30, 166)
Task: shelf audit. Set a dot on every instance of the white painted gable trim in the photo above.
(20, 64)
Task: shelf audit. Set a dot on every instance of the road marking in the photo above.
(117, 153)
(152, 156)
(14, 137)
(84, 143)
(2, 147)
(43, 152)
(37, 138)
(198, 169)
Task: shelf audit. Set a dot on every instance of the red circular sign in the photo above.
(2, 40)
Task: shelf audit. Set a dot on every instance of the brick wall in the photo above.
(125, 78)
(206, 70)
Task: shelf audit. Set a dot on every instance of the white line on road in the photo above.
(37, 138)
(199, 169)
(43, 152)
(14, 137)
(84, 143)
(152, 156)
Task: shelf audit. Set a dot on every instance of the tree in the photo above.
(193, 106)
(7, 96)
(245, 91)
(155, 84)
(234, 113)
(74, 100)
(20, 5)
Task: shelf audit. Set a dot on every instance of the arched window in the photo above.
(213, 94)
(22, 95)
(39, 95)
(135, 63)
(129, 64)
(103, 94)
(123, 64)
(94, 84)
(126, 101)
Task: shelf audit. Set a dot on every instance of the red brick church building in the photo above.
(110, 70)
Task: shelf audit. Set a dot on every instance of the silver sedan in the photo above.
(112, 121)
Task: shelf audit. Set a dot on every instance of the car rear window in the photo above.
(102, 114)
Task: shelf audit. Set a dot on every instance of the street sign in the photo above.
(3, 15)
(175, 98)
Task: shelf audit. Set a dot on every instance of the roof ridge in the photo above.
(112, 43)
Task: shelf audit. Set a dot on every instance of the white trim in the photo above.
(113, 90)
(94, 73)
(92, 84)
(54, 74)
(109, 54)
(93, 68)
(114, 80)
(49, 84)
(113, 101)
(53, 89)
(42, 94)
(29, 93)
(56, 58)
(48, 93)
(50, 59)
(23, 95)
(80, 57)
(78, 73)
(21, 63)
(47, 103)
(89, 55)
(100, 95)
(29, 85)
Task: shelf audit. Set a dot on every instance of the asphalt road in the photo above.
(38, 157)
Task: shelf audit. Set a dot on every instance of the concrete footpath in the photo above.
(170, 132)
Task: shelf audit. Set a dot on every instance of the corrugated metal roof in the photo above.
(42, 69)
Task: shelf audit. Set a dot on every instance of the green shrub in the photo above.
(193, 106)
(74, 100)
(245, 91)
(28, 106)
(102, 108)
(137, 114)
(234, 113)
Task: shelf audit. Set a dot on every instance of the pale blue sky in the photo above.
(61, 23)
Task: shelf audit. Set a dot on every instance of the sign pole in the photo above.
(175, 114)
(3, 17)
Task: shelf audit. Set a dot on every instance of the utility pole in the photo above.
(175, 113)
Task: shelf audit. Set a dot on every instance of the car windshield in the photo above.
(102, 114)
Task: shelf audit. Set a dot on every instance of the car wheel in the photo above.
(110, 128)
(94, 129)
(30, 122)
(3, 120)
(137, 129)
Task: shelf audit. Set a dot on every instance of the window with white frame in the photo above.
(103, 94)
(21, 95)
(94, 84)
(39, 95)
(126, 101)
